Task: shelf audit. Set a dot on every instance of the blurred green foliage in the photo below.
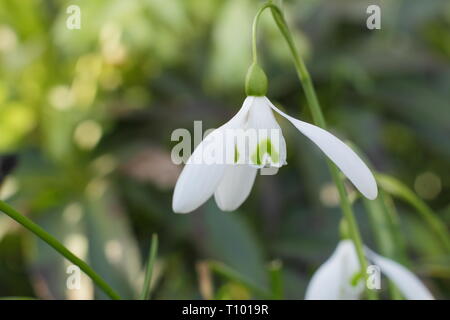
(90, 113)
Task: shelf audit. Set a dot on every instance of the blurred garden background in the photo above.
(90, 113)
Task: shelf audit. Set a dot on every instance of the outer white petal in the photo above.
(264, 124)
(409, 285)
(332, 281)
(342, 155)
(235, 186)
(198, 181)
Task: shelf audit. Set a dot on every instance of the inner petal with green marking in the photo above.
(265, 154)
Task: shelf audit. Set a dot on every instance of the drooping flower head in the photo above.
(335, 279)
(226, 162)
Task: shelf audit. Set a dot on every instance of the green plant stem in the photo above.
(352, 225)
(55, 244)
(145, 295)
(254, 29)
(319, 120)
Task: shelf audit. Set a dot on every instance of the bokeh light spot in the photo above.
(88, 134)
(428, 185)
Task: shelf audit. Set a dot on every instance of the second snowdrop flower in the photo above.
(335, 279)
(224, 166)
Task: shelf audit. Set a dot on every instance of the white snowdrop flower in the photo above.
(225, 163)
(335, 279)
(222, 166)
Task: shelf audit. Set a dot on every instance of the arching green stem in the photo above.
(254, 28)
(58, 246)
(316, 111)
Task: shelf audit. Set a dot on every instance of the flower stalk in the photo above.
(59, 247)
(319, 120)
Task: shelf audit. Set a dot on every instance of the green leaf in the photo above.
(230, 240)
(276, 279)
(145, 295)
(400, 190)
(113, 251)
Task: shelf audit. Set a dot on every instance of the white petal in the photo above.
(198, 180)
(235, 186)
(332, 281)
(269, 135)
(342, 155)
(408, 284)
(195, 185)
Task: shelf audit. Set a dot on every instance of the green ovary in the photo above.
(265, 147)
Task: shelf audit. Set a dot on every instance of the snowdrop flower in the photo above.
(333, 280)
(231, 178)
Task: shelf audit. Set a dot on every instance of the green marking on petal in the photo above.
(263, 148)
(356, 278)
(236, 154)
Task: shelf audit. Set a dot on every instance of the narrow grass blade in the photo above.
(400, 190)
(146, 290)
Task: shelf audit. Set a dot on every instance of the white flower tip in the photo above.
(190, 195)
(179, 207)
(222, 204)
(226, 207)
(235, 187)
(370, 190)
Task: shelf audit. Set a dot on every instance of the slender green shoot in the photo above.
(59, 247)
(316, 111)
(146, 290)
